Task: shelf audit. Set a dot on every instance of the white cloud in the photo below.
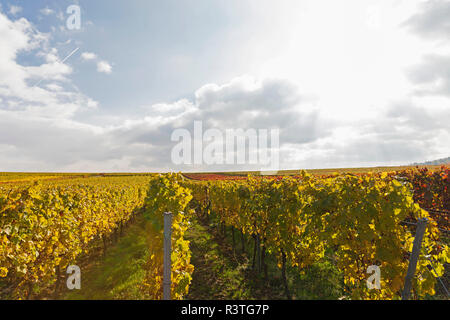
(24, 87)
(104, 67)
(88, 56)
(47, 11)
(14, 9)
(60, 15)
(54, 87)
(431, 20)
(432, 75)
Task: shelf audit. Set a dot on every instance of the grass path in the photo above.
(119, 273)
(215, 276)
(221, 273)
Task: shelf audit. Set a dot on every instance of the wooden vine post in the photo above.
(167, 277)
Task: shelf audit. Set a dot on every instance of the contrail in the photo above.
(70, 54)
(64, 60)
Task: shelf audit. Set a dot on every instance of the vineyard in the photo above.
(301, 236)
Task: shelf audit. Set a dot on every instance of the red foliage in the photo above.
(212, 176)
(431, 191)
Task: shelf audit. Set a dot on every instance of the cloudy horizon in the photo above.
(352, 83)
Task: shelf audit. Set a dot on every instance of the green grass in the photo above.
(320, 281)
(216, 275)
(222, 272)
(119, 273)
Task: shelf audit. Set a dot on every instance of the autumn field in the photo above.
(296, 235)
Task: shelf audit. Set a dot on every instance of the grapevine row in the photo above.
(356, 218)
(44, 227)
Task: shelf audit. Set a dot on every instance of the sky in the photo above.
(348, 83)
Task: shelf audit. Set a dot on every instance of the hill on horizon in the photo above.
(434, 162)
